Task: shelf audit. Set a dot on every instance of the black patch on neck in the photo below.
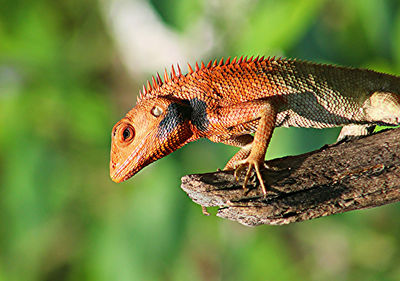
(176, 114)
(199, 116)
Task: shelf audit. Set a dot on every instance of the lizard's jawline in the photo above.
(118, 175)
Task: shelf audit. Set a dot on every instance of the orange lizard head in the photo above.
(151, 130)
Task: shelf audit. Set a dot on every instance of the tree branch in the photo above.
(358, 174)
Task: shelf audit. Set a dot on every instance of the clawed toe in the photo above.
(250, 165)
(239, 168)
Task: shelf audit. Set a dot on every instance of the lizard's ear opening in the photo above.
(156, 111)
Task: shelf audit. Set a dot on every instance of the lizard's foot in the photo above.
(250, 163)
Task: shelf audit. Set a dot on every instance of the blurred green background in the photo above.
(70, 69)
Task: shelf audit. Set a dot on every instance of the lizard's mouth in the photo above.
(120, 178)
(136, 161)
(121, 173)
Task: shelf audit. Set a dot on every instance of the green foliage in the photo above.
(178, 14)
(270, 28)
(63, 219)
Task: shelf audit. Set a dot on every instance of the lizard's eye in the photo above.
(128, 133)
(156, 111)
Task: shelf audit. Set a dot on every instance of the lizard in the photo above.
(239, 102)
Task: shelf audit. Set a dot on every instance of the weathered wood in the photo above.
(358, 174)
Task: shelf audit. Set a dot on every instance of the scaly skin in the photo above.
(228, 102)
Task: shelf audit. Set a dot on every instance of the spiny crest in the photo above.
(157, 82)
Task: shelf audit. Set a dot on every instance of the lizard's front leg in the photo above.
(259, 145)
(252, 153)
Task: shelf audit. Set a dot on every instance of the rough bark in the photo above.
(357, 174)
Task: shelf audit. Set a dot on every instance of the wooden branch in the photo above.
(358, 174)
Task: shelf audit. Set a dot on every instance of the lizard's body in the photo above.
(227, 102)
